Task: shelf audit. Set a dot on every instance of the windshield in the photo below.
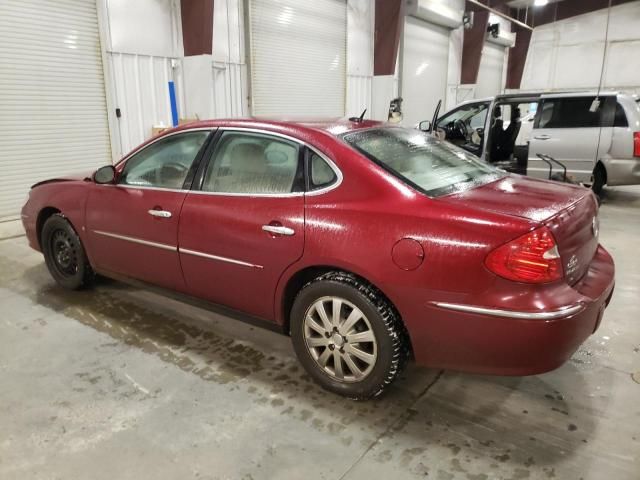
(432, 166)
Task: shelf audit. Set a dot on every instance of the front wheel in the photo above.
(347, 336)
(64, 254)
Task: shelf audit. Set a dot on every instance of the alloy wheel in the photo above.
(340, 339)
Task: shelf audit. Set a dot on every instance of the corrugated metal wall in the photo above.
(229, 90)
(141, 90)
(358, 94)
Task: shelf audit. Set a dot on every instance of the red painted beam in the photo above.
(389, 21)
(197, 26)
(518, 57)
(472, 47)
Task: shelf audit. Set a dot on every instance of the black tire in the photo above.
(599, 179)
(64, 254)
(391, 339)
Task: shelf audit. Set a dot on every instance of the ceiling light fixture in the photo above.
(540, 3)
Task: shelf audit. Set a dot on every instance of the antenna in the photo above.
(358, 119)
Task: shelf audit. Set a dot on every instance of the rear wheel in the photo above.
(64, 254)
(599, 179)
(348, 336)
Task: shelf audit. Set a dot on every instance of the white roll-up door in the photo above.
(53, 114)
(425, 59)
(491, 72)
(298, 52)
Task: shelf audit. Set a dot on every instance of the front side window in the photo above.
(253, 163)
(432, 166)
(578, 112)
(165, 163)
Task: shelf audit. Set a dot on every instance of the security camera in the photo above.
(494, 29)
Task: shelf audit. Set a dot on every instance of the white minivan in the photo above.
(595, 136)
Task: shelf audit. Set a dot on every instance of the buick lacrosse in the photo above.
(367, 243)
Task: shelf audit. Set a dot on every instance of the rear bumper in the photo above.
(506, 342)
(622, 171)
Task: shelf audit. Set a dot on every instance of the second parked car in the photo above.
(596, 136)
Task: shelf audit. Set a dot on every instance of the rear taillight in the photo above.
(636, 144)
(531, 258)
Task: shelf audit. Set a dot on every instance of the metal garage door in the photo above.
(425, 59)
(53, 116)
(298, 52)
(491, 72)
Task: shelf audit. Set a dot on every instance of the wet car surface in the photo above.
(173, 391)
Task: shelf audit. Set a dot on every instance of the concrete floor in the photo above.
(119, 383)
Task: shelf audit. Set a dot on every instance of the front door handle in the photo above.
(160, 213)
(543, 137)
(278, 230)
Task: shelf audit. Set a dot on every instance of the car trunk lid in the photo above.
(569, 211)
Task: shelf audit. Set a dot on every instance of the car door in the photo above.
(568, 129)
(465, 126)
(243, 224)
(133, 223)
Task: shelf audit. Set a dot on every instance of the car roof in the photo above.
(299, 126)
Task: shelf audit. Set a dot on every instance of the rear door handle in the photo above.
(160, 213)
(278, 230)
(543, 137)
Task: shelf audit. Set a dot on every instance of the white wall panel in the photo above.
(142, 95)
(145, 27)
(53, 113)
(569, 54)
(360, 25)
(425, 61)
(359, 95)
(491, 72)
(217, 84)
(298, 57)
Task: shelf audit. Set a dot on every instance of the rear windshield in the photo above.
(432, 166)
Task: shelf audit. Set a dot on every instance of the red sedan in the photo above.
(365, 242)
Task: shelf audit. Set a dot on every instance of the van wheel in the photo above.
(64, 254)
(347, 336)
(599, 179)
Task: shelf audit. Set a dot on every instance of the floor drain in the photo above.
(636, 377)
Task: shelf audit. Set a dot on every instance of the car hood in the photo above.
(67, 178)
(515, 195)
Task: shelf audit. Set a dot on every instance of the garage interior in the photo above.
(121, 382)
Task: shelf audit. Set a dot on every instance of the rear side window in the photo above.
(252, 163)
(570, 113)
(322, 175)
(620, 120)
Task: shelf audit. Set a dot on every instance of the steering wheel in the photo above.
(460, 128)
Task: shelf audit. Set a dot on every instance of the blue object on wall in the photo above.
(174, 105)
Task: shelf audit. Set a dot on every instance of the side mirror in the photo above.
(425, 126)
(106, 174)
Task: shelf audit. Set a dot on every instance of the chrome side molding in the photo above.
(496, 312)
(178, 250)
(137, 240)
(219, 258)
